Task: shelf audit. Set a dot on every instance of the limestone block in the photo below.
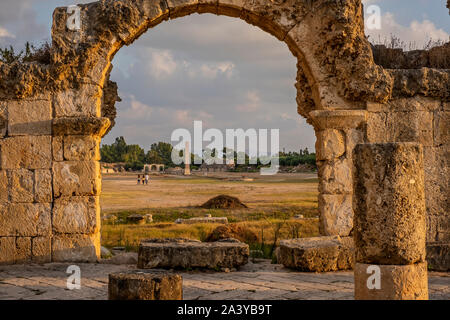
(376, 127)
(76, 248)
(57, 148)
(23, 250)
(3, 186)
(207, 6)
(231, 8)
(7, 249)
(82, 126)
(438, 256)
(335, 176)
(27, 117)
(79, 178)
(78, 102)
(76, 215)
(336, 214)
(441, 128)
(25, 219)
(414, 126)
(352, 138)
(185, 253)
(41, 249)
(3, 120)
(153, 10)
(223, 220)
(338, 119)
(179, 8)
(318, 254)
(29, 152)
(81, 148)
(398, 282)
(145, 285)
(389, 203)
(416, 103)
(276, 19)
(43, 185)
(330, 144)
(22, 185)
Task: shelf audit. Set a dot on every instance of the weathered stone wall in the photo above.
(52, 116)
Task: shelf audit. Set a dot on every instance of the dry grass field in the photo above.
(272, 202)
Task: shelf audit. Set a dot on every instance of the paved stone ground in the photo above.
(254, 281)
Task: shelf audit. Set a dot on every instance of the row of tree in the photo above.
(135, 157)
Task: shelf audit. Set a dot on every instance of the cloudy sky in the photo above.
(216, 69)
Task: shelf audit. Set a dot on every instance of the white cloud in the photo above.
(212, 71)
(162, 63)
(418, 33)
(252, 104)
(5, 33)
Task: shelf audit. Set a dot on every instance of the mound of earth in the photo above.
(223, 202)
(235, 231)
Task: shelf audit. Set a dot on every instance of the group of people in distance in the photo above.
(144, 179)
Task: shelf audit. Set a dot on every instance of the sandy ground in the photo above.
(121, 191)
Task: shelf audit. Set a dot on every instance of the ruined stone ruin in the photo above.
(53, 115)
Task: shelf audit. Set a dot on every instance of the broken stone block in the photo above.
(76, 178)
(29, 117)
(145, 285)
(223, 220)
(186, 253)
(25, 219)
(317, 254)
(22, 185)
(76, 215)
(396, 282)
(389, 203)
(136, 219)
(76, 248)
(26, 152)
(81, 148)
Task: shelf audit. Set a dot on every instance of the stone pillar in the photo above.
(187, 159)
(389, 222)
(337, 132)
(76, 188)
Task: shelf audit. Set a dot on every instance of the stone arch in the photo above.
(336, 74)
(340, 91)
